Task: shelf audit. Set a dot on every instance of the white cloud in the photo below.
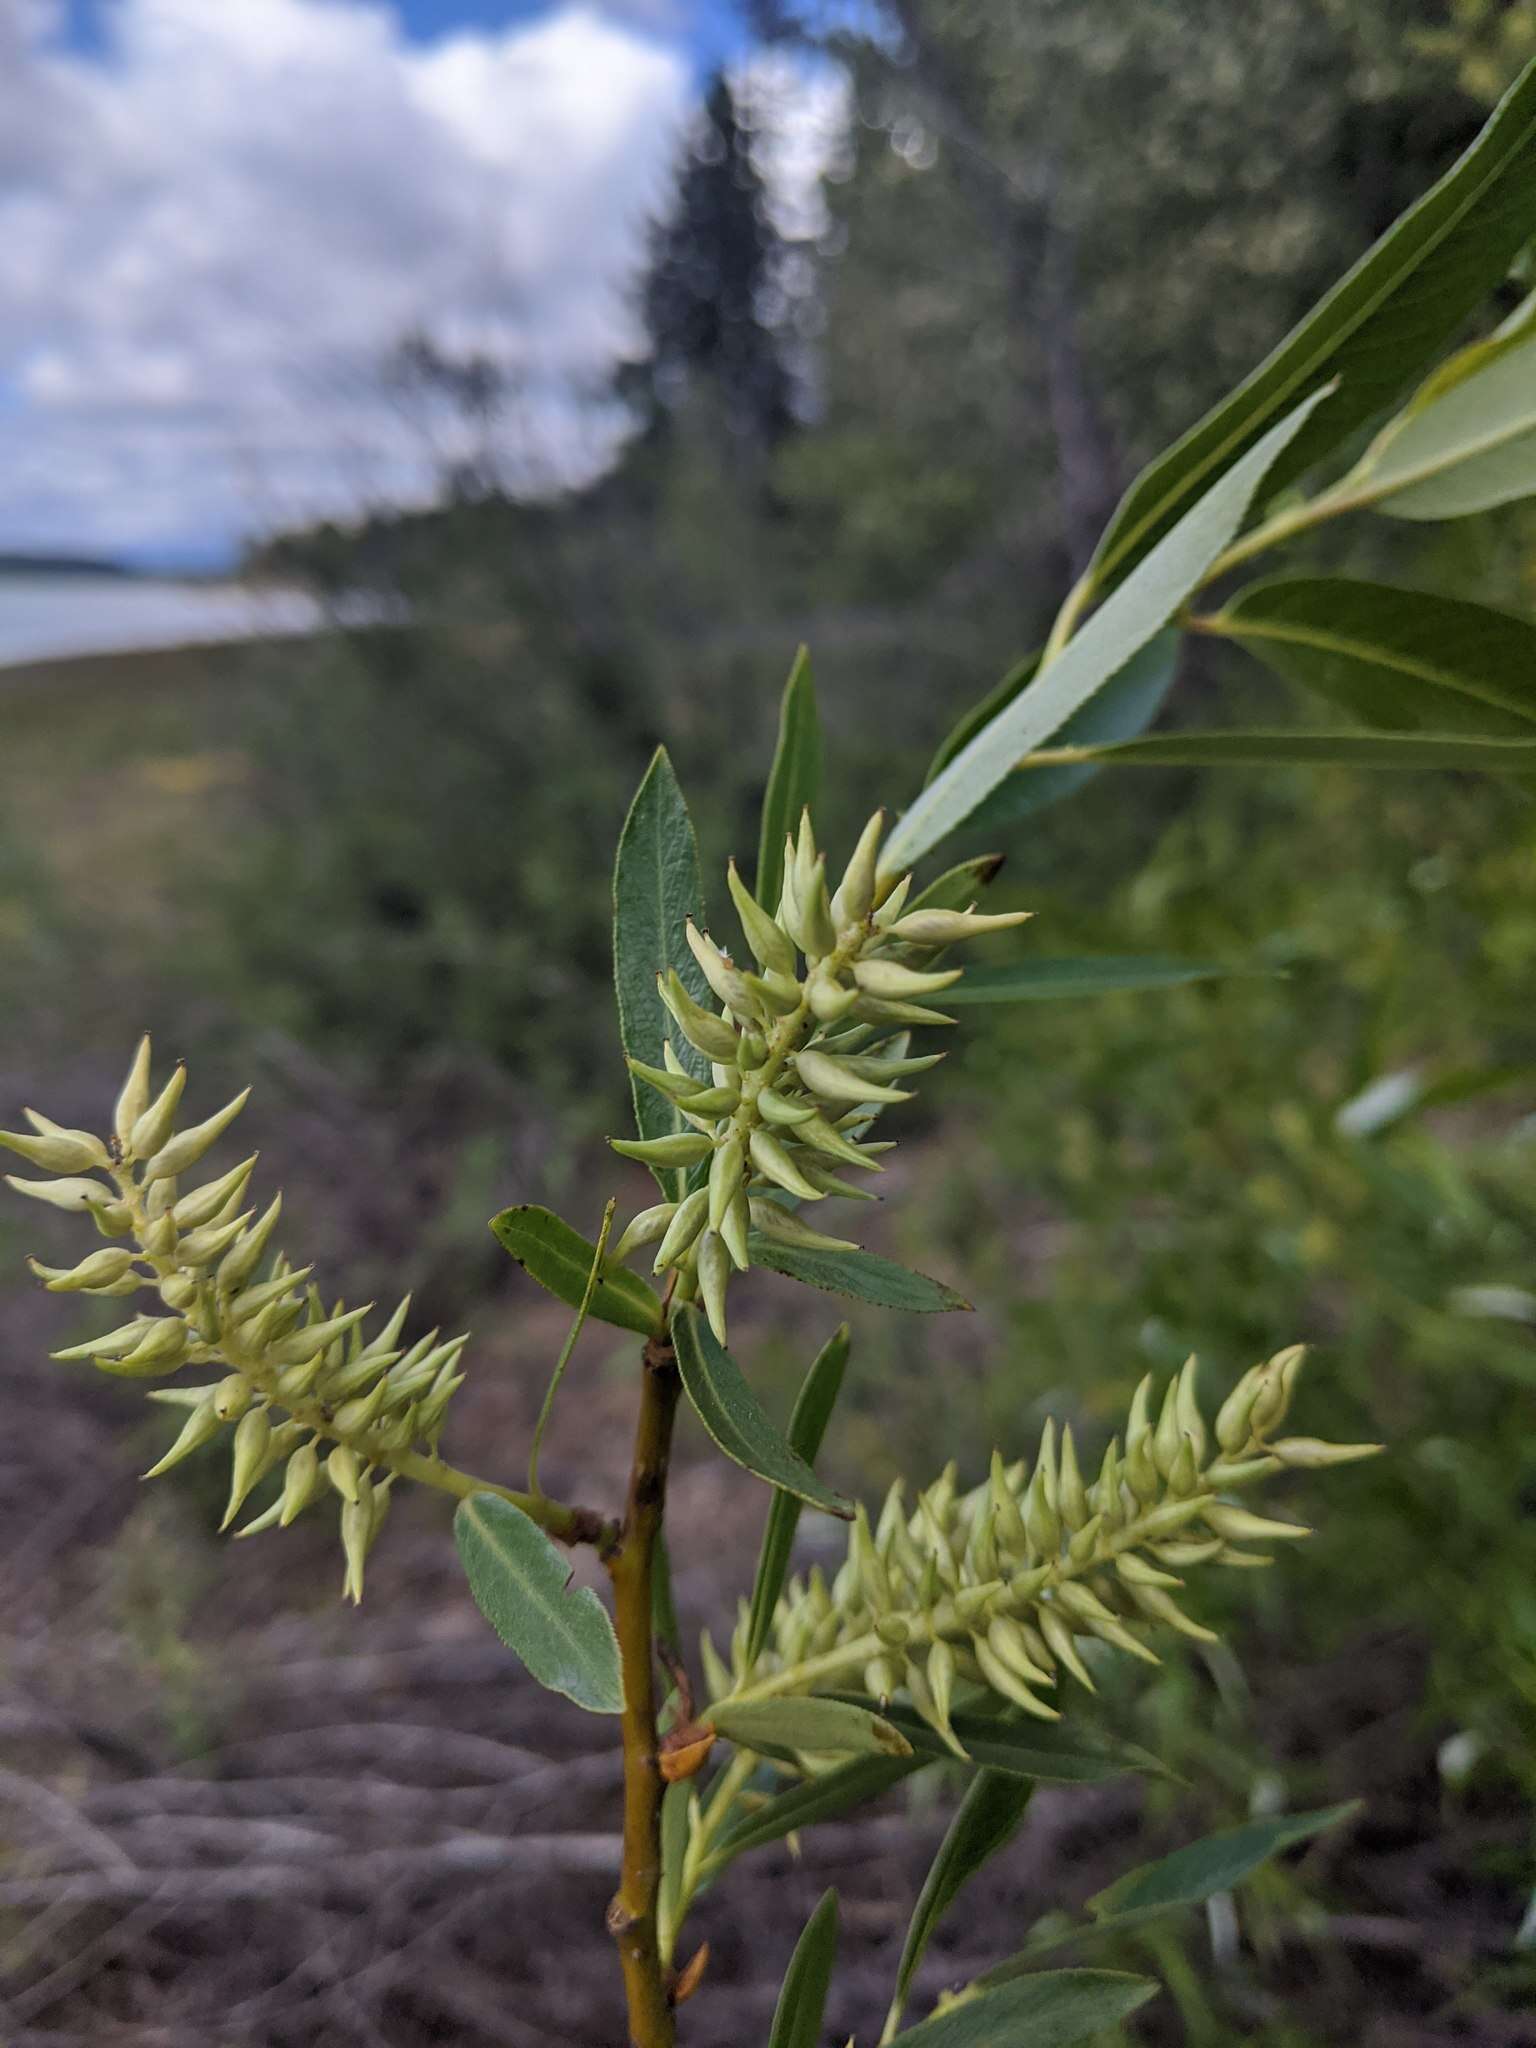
(210, 238)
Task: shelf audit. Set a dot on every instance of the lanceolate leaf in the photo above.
(824, 1797)
(1468, 444)
(1400, 659)
(1043, 981)
(730, 1411)
(1216, 1864)
(521, 1585)
(560, 1258)
(960, 886)
(1051, 2010)
(1023, 1749)
(1186, 1878)
(986, 1820)
(1377, 329)
(998, 698)
(1137, 611)
(862, 1276)
(793, 780)
(1127, 705)
(1352, 749)
(807, 1426)
(656, 889)
(820, 1726)
(803, 1998)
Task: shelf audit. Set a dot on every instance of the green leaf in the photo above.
(1119, 630)
(1467, 443)
(1352, 749)
(959, 887)
(1196, 1873)
(521, 1585)
(656, 889)
(1053, 2009)
(730, 1411)
(807, 1426)
(1399, 659)
(821, 1726)
(560, 1258)
(803, 1997)
(862, 1276)
(1186, 1878)
(1048, 980)
(997, 699)
(987, 1819)
(1376, 329)
(676, 1826)
(793, 780)
(1023, 1749)
(824, 1797)
(1127, 705)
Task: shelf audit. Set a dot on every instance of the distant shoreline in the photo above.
(56, 616)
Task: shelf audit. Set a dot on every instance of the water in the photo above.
(43, 617)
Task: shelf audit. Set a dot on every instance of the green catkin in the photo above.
(299, 1383)
(785, 1082)
(989, 1595)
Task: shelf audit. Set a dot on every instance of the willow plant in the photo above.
(770, 1053)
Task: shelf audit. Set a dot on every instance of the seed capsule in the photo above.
(134, 1098)
(154, 1126)
(188, 1146)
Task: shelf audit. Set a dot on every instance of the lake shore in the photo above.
(56, 618)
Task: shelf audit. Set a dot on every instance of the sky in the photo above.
(219, 217)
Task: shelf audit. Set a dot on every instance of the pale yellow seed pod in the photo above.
(232, 1397)
(1311, 1454)
(152, 1128)
(344, 1471)
(187, 1147)
(134, 1098)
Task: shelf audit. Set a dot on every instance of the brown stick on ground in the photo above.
(632, 1915)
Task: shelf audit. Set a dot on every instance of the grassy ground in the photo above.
(299, 1825)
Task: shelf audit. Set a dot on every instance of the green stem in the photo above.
(593, 1275)
(633, 1913)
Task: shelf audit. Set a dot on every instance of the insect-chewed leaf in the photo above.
(1196, 1873)
(1053, 2009)
(822, 1726)
(734, 1417)
(793, 780)
(560, 1258)
(1401, 660)
(1047, 980)
(862, 1276)
(807, 1425)
(1374, 331)
(986, 1820)
(521, 1585)
(656, 889)
(1022, 1749)
(1119, 630)
(803, 1996)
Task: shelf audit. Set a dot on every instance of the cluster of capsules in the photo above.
(300, 1384)
(809, 1046)
(996, 1590)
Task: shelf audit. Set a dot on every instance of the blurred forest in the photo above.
(369, 872)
